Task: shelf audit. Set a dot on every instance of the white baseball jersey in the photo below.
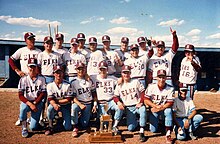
(71, 59)
(183, 108)
(83, 90)
(30, 87)
(23, 54)
(164, 62)
(86, 52)
(60, 50)
(63, 91)
(157, 96)
(104, 87)
(129, 92)
(47, 61)
(138, 65)
(94, 60)
(111, 57)
(123, 56)
(188, 75)
(143, 52)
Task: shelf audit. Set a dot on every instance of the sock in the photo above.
(24, 125)
(141, 130)
(116, 123)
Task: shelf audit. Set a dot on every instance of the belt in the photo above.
(104, 101)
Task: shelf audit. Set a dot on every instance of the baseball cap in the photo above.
(32, 62)
(125, 40)
(161, 72)
(160, 43)
(189, 47)
(74, 41)
(59, 36)
(28, 35)
(106, 38)
(48, 38)
(81, 36)
(134, 46)
(80, 65)
(103, 64)
(126, 68)
(141, 39)
(57, 68)
(92, 40)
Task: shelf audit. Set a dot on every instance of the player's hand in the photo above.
(139, 105)
(33, 107)
(120, 106)
(94, 110)
(154, 109)
(186, 124)
(173, 31)
(56, 107)
(82, 106)
(20, 73)
(154, 42)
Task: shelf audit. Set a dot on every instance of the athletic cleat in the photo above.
(192, 136)
(75, 132)
(142, 137)
(18, 122)
(24, 133)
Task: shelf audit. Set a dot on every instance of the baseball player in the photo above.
(32, 91)
(185, 116)
(143, 50)
(81, 47)
(162, 60)
(23, 54)
(190, 66)
(129, 96)
(138, 64)
(159, 97)
(105, 85)
(48, 59)
(60, 95)
(84, 92)
(123, 54)
(58, 46)
(95, 57)
(71, 58)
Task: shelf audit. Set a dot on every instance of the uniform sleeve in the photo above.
(17, 55)
(43, 88)
(174, 107)
(148, 92)
(50, 94)
(69, 92)
(140, 86)
(170, 97)
(191, 106)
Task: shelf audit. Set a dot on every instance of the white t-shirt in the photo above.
(129, 92)
(157, 96)
(30, 87)
(164, 62)
(23, 54)
(183, 108)
(188, 75)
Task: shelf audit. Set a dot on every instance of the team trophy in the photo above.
(105, 134)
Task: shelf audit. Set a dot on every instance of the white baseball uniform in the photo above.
(94, 59)
(129, 92)
(123, 56)
(70, 60)
(47, 61)
(104, 87)
(86, 52)
(83, 90)
(31, 88)
(164, 62)
(60, 50)
(157, 96)
(188, 75)
(23, 54)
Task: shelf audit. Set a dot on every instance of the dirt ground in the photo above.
(207, 105)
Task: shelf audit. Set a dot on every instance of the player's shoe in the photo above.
(115, 130)
(24, 133)
(49, 131)
(75, 132)
(142, 138)
(169, 140)
(192, 136)
(18, 122)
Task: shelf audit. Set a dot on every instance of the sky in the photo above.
(196, 21)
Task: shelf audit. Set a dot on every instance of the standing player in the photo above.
(81, 47)
(23, 54)
(190, 66)
(138, 64)
(111, 57)
(129, 96)
(60, 95)
(32, 91)
(95, 57)
(162, 60)
(105, 85)
(59, 44)
(143, 42)
(185, 116)
(159, 97)
(123, 54)
(85, 94)
(71, 58)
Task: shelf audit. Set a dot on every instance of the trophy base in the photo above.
(105, 137)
